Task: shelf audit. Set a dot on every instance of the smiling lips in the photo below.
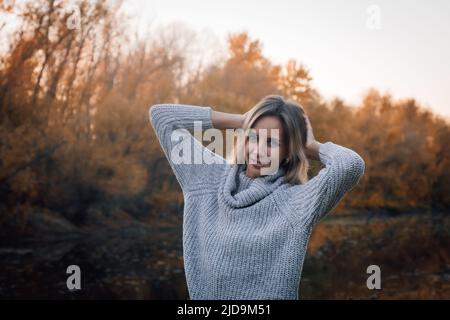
(258, 164)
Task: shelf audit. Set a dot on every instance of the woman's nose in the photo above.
(259, 149)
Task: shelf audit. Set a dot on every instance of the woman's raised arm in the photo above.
(173, 124)
(342, 170)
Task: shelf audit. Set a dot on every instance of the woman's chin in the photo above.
(255, 170)
(251, 171)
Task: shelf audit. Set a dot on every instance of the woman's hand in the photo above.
(312, 145)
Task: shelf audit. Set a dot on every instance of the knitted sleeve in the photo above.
(342, 170)
(194, 165)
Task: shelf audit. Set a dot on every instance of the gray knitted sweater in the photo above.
(246, 238)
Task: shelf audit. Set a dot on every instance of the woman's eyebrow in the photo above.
(268, 137)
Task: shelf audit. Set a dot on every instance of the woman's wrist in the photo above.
(223, 120)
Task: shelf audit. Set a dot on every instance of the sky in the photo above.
(398, 47)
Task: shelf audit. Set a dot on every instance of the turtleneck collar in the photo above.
(241, 190)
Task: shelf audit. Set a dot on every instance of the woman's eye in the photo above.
(272, 143)
(253, 137)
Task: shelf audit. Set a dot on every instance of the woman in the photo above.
(245, 233)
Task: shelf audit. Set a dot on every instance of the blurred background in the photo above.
(83, 179)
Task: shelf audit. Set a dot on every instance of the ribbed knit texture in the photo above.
(246, 238)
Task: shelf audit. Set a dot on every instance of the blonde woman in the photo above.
(245, 233)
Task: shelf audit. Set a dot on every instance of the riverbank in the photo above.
(138, 261)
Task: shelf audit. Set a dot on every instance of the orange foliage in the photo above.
(75, 130)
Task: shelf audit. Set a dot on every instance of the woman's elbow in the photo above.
(155, 113)
(356, 168)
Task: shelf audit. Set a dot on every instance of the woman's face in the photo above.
(264, 145)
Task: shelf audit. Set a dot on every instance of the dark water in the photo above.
(147, 263)
(131, 264)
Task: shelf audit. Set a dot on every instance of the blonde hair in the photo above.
(292, 117)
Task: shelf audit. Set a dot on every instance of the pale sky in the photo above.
(407, 56)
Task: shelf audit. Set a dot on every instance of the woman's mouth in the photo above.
(258, 164)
